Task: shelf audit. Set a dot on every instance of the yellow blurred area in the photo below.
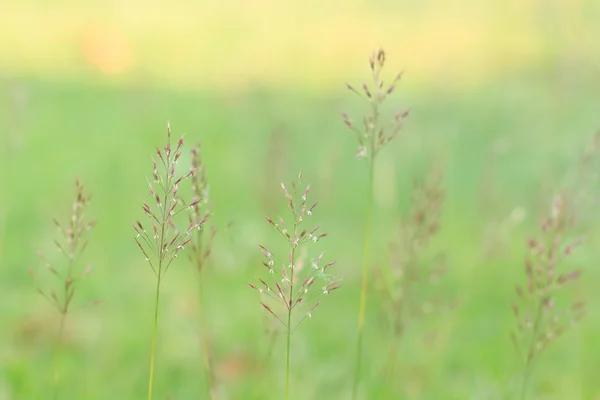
(311, 43)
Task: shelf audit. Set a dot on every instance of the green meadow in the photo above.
(508, 142)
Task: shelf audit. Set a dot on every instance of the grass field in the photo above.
(508, 141)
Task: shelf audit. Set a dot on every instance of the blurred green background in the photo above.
(506, 94)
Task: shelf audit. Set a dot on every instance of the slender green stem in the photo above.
(391, 368)
(364, 279)
(57, 351)
(530, 357)
(153, 350)
(287, 363)
(289, 318)
(204, 338)
(161, 255)
(64, 309)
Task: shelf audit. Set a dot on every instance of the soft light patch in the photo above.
(107, 49)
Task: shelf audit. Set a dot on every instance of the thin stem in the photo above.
(396, 334)
(289, 317)
(57, 350)
(161, 254)
(530, 357)
(529, 361)
(153, 349)
(364, 279)
(203, 337)
(391, 367)
(64, 309)
(287, 363)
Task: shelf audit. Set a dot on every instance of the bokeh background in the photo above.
(504, 94)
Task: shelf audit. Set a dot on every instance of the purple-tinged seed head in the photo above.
(280, 290)
(329, 264)
(206, 217)
(193, 204)
(171, 209)
(366, 89)
(351, 88)
(564, 278)
(568, 250)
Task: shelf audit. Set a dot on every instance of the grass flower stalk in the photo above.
(290, 294)
(371, 136)
(199, 254)
(408, 287)
(162, 243)
(546, 305)
(540, 316)
(71, 243)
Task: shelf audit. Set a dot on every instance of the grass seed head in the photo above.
(292, 285)
(71, 242)
(375, 133)
(408, 285)
(164, 243)
(540, 311)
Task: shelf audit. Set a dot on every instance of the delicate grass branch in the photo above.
(163, 243)
(540, 316)
(540, 311)
(292, 285)
(408, 287)
(199, 254)
(371, 137)
(71, 244)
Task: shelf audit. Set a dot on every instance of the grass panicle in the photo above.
(162, 242)
(290, 285)
(372, 135)
(71, 243)
(544, 308)
(408, 287)
(540, 314)
(199, 253)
